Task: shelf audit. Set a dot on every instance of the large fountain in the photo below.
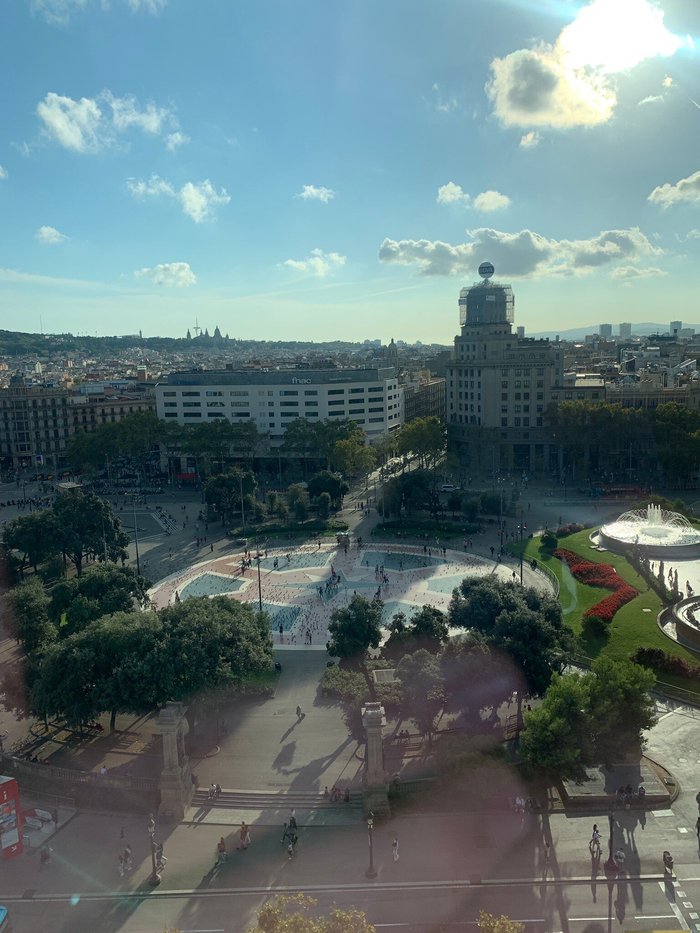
(655, 531)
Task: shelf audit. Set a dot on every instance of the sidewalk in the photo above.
(462, 847)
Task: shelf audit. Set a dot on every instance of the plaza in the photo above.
(300, 587)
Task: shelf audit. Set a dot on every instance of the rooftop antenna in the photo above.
(197, 329)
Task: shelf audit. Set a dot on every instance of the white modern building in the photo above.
(272, 399)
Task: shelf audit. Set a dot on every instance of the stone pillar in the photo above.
(375, 780)
(176, 777)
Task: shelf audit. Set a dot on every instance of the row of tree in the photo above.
(336, 444)
(611, 438)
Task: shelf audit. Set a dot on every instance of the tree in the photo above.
(86, 526)
(29, 606)
(223, 492)
(134, 661)
(102, 590)
(677, 437)
(426, 629)
(489, 923)
(292, 914)
(34, 536)
(621, 708)
(323, 506)
(425, 438)
(557, 739)
(353, 457)
(355, 629)
(423, 689)
(332, 483)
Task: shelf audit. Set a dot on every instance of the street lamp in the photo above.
(371, 870)
(611, 867)
(154, 878)
(136, 537)
(257, 553)
(240, 481)
(522, 527)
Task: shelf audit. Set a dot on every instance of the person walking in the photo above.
(128, 858)
(697, 828)
(244, 836)
(221, 854)
(395, 849)
(594, 844)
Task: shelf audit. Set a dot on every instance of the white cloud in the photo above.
(693, 234)
(154, 187)
(668, 81)
(198, 200)
(74, 124)
(685, 191)
(569, 83)
(441, 103)
(651, 99)
(524, 254)
(87, 126)
(126, 113)
(491, 201)
(174, 140)
(3, 173)
(312, 193)
(635, 272)
(171, 274)
(530, 140)
(59, 12)
(50, 236)
(317, 263)
(452, 193)
(15, 277)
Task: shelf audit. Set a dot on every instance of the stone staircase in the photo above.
(273, 809)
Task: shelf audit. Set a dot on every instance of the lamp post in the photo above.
(136, 538)
(154, 878)
(257, 554)
(522, 527)
(611, 867)
(240, 481)
(371, 870)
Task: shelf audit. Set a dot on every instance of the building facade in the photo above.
(272, 399)
(36, 422)
(499, 387)
(424, 396)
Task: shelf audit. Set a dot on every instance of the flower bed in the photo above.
(603, 575)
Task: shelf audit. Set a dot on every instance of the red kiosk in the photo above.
(10, 818)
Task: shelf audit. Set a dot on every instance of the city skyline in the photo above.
(315, 174)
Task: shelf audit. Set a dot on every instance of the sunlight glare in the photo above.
(614, 35)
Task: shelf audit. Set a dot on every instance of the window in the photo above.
(289, 392)
(289, 404)
(191, 404)
(171, 414)
(215, 414)
(333, 414)
(504, 422)
(166, 394)
(309, 404)
(288, 414)
(241, 414)
(170, 404)
(336, 391)
(354, 391)
(213, 393)
(237, 392)
(357, 411)
(377, 398)
(310, 391)
(215, 404)
(375, 409)
(240, 404)
(375, 420)
(337, 401)
(192, 414)
(197, 394)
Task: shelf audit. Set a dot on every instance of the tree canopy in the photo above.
(355, 629)
(87, 527)
(293, 914)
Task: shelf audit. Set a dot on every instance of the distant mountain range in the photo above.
(578, 333)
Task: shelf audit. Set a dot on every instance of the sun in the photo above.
(615, 35)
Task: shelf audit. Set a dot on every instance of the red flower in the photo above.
(602, 575)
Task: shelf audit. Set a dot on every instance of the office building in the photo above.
(499, 386)
(272, 399)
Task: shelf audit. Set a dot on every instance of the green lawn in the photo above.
(631, 627)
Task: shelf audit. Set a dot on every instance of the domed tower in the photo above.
(498, 385)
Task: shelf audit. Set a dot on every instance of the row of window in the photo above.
(218, 393)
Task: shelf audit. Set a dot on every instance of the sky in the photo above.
(317, 171)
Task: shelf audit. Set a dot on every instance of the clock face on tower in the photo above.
(486, 270)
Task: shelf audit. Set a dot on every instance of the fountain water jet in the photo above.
(655, 531)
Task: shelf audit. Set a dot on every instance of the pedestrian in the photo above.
(299, 713)
(160, 858)
(293, 820)
(395, 849)
(244, 836)
(54, 815)
(120, 865)
(211, 548)
(151, 825)
(128, 858)
(697, 828)
(221, 854)
(697, 800)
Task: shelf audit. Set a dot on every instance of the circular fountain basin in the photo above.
(686, 614)
(655, 531)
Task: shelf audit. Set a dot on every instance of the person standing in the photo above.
(221, 854)
(395, 849)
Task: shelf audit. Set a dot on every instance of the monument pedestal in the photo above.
(375, 794)
(176, 777)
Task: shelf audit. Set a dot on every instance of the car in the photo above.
(448, 487)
